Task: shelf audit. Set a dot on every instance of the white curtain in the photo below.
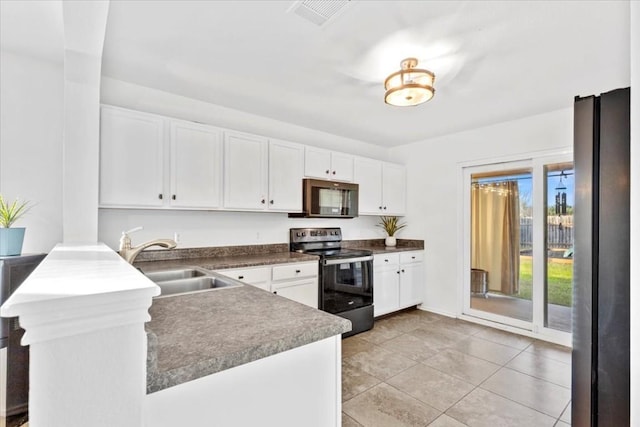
(495, 233)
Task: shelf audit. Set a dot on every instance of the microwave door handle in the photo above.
(347, 260)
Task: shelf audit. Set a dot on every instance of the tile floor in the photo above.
(416, 368)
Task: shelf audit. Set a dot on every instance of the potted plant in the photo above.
(391, 224)
(11, 238)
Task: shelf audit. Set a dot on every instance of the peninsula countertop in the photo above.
(198, 334)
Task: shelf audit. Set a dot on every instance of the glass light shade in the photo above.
(409, 86)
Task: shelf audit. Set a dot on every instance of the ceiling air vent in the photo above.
(318, 12)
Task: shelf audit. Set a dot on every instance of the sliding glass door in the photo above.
(518, 243)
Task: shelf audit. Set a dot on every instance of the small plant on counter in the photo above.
(391, 224)
(11, 212)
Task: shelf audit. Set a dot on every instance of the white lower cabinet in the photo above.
(398, 281)
(295, 281)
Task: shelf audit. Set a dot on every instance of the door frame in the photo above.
(535, 161)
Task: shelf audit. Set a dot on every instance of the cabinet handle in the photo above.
(386, 260)
(275, 292)
(334, 172)
(413, 257)
(327, 171)
(262, 201)
(385, 208)
(240, 277)
(380, 207)
(297, 271)
(173, 197)
(271, 201)
(398, 272)
(160, 196)
(403, 270)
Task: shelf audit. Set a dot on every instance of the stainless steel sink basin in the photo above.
(194, 284)
(187, 280)
(183, 273)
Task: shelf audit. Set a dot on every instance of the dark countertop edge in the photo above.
(228, 262)
(160, 380)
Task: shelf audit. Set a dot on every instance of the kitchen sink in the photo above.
(183, 273)
(187, 280)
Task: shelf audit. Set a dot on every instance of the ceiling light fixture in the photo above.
(410, 86)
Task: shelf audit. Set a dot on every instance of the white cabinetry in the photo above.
(295, 281)
(398, 281)
(245, 171)
(325, 164)
(382, 187)
(286, 170)
(196, 165)
(131, 158)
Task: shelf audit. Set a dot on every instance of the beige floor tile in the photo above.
(446, 421)
(445, 328)
(347, 421)
(401, 324)
(506, 338)
(562, 424)
(380, 363)
(550, 350)
(481, 408)
(540, 367)
(354, 345)
(355, 381)
(462, 326)
(411, 347)
(431, 386)
(566, 415)
(467, 368)
(534, 393)
(380, 333)
(487, 350)
(384, 406)
(437, 340)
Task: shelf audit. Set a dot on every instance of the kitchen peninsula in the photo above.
(237, 356)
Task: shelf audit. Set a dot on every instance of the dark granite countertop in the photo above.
(198, 334)
(377, 245)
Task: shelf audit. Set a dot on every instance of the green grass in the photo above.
(559, 281)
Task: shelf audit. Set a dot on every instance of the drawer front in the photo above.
(409, 257)
(386, 259)
(248, 275)
(294, 271)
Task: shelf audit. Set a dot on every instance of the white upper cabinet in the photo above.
(286, 170)
(325, 164)
(131, 158)
(196, 165)
(368, 175)
(382, 187)
(394, 189)
(245, 171)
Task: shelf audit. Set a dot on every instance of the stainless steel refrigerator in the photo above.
(15, 381)
(601, 328)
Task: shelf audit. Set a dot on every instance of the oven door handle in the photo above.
(347, 260)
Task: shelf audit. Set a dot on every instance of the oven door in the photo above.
(347, 284)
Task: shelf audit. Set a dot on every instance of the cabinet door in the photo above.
(317, 163)
(367, 174)
(386, 289)
(341, 167)
(245, 171)
(302, 291)
(286, 170)
(131, 158)
(411, 284)
(196, 165)
(394, 189)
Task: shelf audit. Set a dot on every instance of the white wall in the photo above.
(433, 195)
(635, 212)
(31, 122)
(214, 228)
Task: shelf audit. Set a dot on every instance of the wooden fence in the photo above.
(559, 231)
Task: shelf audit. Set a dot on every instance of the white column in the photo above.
(84, 31)
(83, 310)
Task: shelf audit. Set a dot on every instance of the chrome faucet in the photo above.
(130, 253)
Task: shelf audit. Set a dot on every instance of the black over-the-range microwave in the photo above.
(328, 199)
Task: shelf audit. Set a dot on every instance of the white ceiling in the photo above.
(494, 61)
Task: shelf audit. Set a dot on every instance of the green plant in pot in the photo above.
(391, 225)
(11, 238)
